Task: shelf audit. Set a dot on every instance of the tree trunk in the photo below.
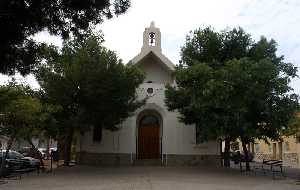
(252, 148)
(4, 157)
(67, 148)
(37, 151)
(221, 158)
(246, 154)
(61, 147)
(227, 153)
(48, 148)
(280, 150)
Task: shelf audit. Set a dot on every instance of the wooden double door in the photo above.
(149, 141)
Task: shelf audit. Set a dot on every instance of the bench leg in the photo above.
(263, 169)
(241, 167)
(282, 171)
(273, 172)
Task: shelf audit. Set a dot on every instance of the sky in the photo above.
(277, 19)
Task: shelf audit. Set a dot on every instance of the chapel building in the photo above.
(152, 133)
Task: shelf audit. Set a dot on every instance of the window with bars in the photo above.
(97, 134)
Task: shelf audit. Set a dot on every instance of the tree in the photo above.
(24, 18)
(92, 86)
(19, 114)
(204, 45)
(49, 119)
(294, 126)
(202, 98)
(232, 87)
(264, 103)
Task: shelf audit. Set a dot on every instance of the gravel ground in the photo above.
(142, 178)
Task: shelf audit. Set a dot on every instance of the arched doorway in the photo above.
(148, 138)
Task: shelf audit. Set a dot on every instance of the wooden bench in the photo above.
(273, 166)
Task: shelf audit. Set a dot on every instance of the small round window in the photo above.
(150, 90)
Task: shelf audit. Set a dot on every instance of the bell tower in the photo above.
(152, 38)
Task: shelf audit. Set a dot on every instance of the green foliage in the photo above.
(21, 19)
(48, 125)
(90, 84)
(233, 87)
(205, 45)
(293, 126)
(19, 110)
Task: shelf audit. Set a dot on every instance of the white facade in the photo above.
(175, 139)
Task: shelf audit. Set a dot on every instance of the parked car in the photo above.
(30, 152)
(16, 160)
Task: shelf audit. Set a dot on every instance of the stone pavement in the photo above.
(144, 178)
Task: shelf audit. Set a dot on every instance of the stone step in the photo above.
(148, 162)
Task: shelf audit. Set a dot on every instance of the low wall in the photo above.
(289, 159)
(259, 156)
(109, 159)
(193, 160)
(120, 159)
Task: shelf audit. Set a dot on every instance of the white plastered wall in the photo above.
(177, 138)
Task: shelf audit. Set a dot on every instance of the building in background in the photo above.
(287, 150)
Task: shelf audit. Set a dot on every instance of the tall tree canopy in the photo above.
(20, 114)
(232, 87)
(205, 45)
(21, 19)
(19, 110)
(90, 83)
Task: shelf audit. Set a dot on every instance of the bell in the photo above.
(151, 41)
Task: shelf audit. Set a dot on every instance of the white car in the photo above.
(33, 162)
(44, 151)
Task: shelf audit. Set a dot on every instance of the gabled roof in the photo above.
(163, 59)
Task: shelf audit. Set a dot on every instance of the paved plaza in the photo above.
(144, 178)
